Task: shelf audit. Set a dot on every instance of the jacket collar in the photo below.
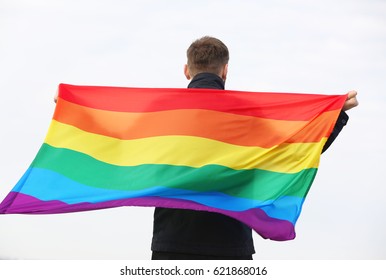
(207, 80)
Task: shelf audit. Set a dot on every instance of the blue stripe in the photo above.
(48, 185)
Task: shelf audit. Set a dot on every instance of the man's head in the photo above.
(208, 55)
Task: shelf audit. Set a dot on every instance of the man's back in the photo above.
(199, 234)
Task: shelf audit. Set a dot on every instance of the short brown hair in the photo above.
(207, 54)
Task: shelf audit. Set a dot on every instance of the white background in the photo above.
(326, 46)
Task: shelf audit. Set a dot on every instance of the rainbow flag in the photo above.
(251, 156)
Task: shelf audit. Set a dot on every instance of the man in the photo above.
(193, 235)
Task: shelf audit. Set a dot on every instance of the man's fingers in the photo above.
(352, 94)
(351, 100)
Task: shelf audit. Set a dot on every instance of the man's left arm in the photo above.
(350, 103)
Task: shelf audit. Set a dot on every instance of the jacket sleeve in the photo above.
(340, 123)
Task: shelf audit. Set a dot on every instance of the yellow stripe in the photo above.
(184, 150)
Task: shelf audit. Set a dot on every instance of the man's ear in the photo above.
(186, 72)
(224, 72)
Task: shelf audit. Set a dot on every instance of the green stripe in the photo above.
(254, 184)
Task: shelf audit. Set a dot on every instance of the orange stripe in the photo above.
(224, 127)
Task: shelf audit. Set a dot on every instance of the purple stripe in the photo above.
(257, 219)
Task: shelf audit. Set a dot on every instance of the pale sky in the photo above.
(326, 46)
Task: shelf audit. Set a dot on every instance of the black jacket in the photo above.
(206, 233)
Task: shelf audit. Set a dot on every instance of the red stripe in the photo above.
(281, 106)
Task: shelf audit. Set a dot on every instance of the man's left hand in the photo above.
(351, 100)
